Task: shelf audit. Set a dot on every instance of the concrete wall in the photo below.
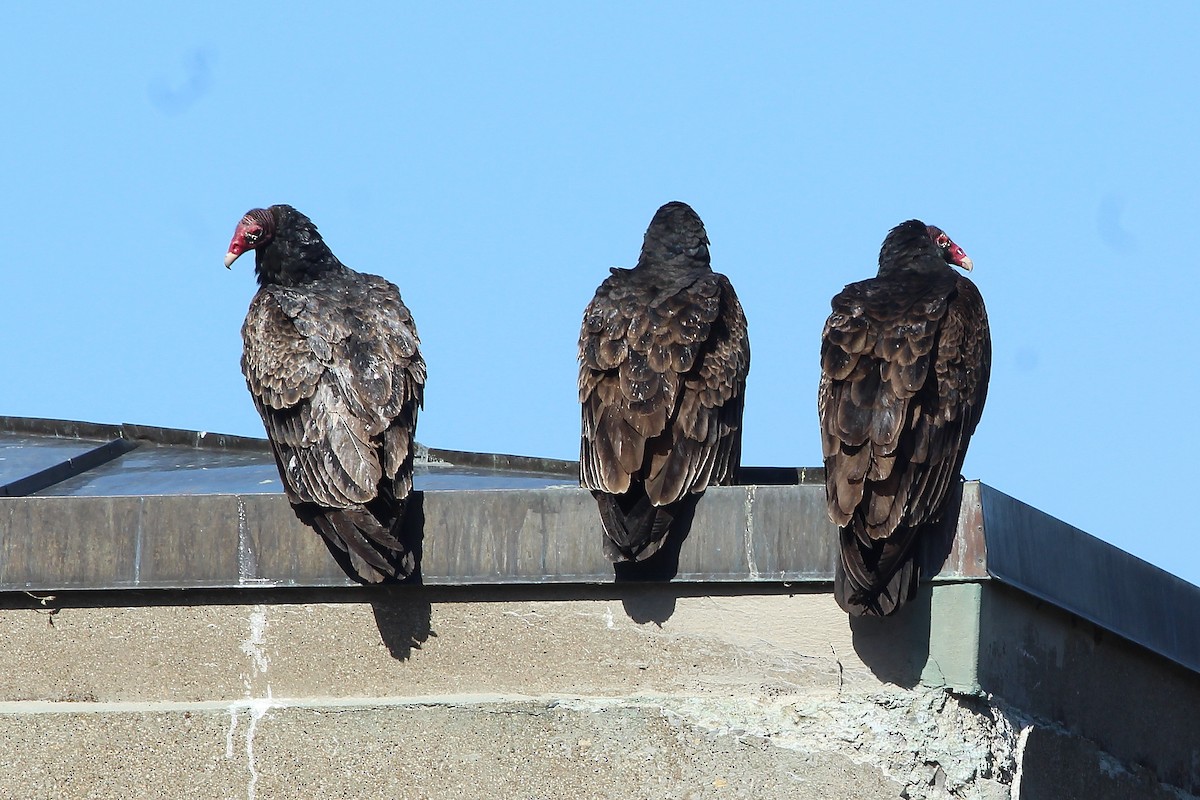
(640, 691)
(447, 694)
(1100, 700)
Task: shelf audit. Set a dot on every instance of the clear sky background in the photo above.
(495, 161)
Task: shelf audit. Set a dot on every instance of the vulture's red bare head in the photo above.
(255, 230)
(950, 251)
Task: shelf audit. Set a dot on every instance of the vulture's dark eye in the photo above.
(943, 240)
(251, 237)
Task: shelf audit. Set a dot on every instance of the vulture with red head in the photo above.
(663, 355)
(333, 363)
(905, 358)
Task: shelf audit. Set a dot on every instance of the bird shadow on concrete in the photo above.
(662, 566)
(402, 609)
(404, 617)
(896, 648)
(403, 613)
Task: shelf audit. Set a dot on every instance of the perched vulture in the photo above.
(333, 362)
(905, 358)
(663, 355)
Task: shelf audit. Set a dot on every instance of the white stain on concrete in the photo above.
(245, 560)
(256, 707)
(233, 718)
(252, 646)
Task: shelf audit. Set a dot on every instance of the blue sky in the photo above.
(494, 163)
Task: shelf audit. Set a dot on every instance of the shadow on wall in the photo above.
(663, 565)
(404, 619)
(896, 648)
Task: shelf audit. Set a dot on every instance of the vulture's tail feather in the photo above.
(875, 578)
(375, 548)
(634, 528)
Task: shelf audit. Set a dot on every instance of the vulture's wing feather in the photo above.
(338, 379)
(661, 386)
(961, 368)
(904, 379)
(708, 421)
(878, 410)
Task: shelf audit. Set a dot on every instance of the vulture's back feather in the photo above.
(905, 360)
(663, 355)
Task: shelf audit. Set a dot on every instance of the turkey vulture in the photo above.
(333, 362)
(663, 355)
(905, 358)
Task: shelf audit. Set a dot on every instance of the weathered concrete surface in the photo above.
(404, 644)
(1096, 775)
(727, 697)
(497, 750)
(628, 691)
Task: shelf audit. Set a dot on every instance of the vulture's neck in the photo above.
(295, 257)
(671, 258)
(914, 255)
(919, 266)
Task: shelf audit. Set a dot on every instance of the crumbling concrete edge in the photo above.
(933, 741)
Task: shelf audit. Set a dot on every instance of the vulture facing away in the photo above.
(663, 355)
(905, 358)
(333, 362)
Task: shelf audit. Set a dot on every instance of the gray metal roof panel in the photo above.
(163, 461)
(25, 454)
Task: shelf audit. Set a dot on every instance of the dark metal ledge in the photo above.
(1072, 570)
(740, 533)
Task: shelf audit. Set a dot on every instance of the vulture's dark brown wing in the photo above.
(337, 375)
(662, 379)
(904, 378)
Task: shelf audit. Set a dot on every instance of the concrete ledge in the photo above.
(740, 534)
